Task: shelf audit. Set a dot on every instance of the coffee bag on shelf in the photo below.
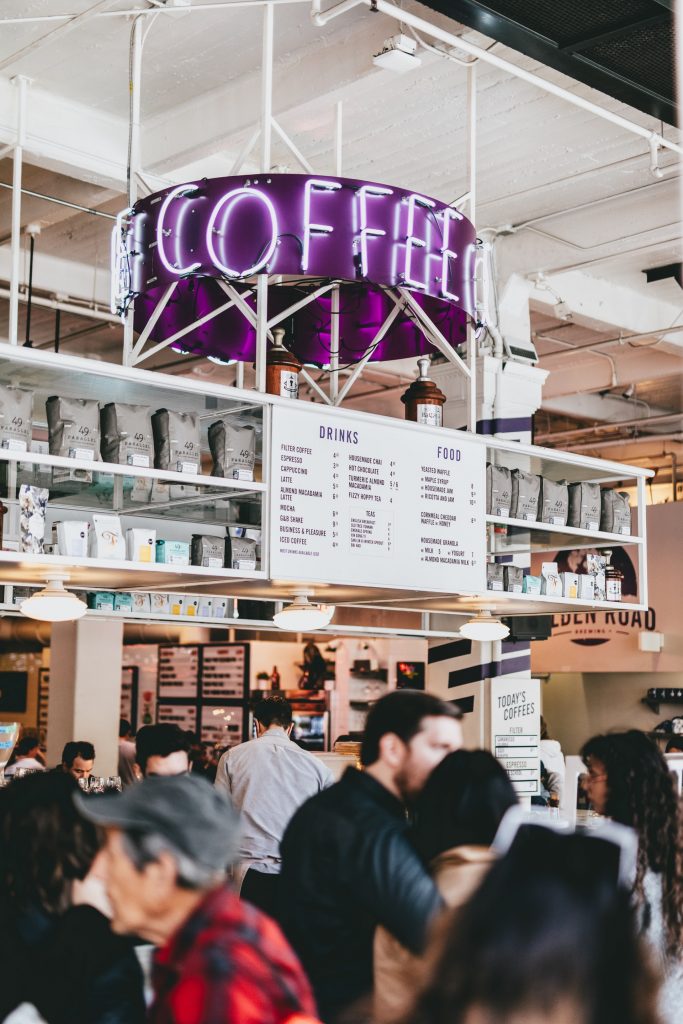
(552, 584)
(106, 538)
(513, 576)
(176, 441)
(16, 418)
(616, 513)
(73, 426)
(126, 432)
(495, 576)
(233, 448)
(241, 548)
(526, 491)
(554, 502)
(584, 506)
(32, 510)
(208, 551)
(498, 491)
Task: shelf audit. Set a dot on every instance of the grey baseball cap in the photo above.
(198, 820)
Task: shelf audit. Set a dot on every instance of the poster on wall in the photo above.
(182, 715)
(221, 726)
(224, 671)
(595, 641)
(178, 672)
(516, 730)
(376, 503)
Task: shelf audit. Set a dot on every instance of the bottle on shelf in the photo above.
(424, 400)
(282, 368)
(275, 679)
(614, 579)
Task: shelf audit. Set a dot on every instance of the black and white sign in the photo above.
(224, 671)
(371, 503)
(178, 672)
(182, 715)
(515, 730)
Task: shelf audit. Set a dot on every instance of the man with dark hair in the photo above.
(218, 960)
(267, 779)
(78, 757)
(347, 864)
(162, 749)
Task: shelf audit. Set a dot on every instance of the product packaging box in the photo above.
(552, 584)
(586, 587)
(205, 609)
(532, 585)
(123, 602)
(173, 552)
(189, 605)
(175, 604)
(219, 607)
(208, 551)
(20, 594)
(73, 432)
(498, 491)
(233, 447)
(16, 418)
(616, 513)
(570, 584)
(72, 537)
(495, 576)
(176, 441)
(160, 604)
(101, 601)
(141, 603)
(126, 435)
(32, 510)
(554, 502)
(595, 567)
(106, 538)
(514, 578)
(584, 506)
(526, 492)
(140, 545)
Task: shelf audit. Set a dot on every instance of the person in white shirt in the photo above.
(26, 755)
(268, 779)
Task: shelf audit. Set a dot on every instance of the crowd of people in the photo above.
(412, 890)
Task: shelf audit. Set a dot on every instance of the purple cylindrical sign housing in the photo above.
(373, 238)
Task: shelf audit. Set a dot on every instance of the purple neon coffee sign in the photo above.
(367, 234)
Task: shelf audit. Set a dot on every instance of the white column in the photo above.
(85, 689)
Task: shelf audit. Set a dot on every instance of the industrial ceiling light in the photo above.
(484, 627)
(397, 54)
(301, 616)
(54, 603)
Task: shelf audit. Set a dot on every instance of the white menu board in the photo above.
(182, 715)
(178, 671)
(516, 730)
(376, 504)
(223, 671)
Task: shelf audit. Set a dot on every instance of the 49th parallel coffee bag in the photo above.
(176, 441)
(498, 491)
(526, 491)
(16, 418)
(233, 448)
(584, 506)
(554, 502)
(616, 513)
(73, 426)
(127, 438)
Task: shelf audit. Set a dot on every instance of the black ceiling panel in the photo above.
(625, 48)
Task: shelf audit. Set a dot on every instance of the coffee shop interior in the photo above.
(340, 351)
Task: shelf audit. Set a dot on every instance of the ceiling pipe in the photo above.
(60, 202)
(627, 442)
(619, 340)
(646, 421)
(66, 307)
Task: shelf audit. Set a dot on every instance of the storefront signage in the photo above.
(376, 504)
(515, 730)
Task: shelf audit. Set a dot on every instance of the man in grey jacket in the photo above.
(267, 780)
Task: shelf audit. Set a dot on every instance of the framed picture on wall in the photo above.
(410, 675)
(13, 687)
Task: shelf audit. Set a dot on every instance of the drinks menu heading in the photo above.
(373, 504)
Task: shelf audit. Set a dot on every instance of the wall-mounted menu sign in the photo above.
(515, 730)
(223, 671)
(178, 672)
(371, 503)
(222, 726)
(182, 715)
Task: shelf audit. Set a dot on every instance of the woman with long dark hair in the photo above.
(547, 938)
(57, 950)
(457, 816)
(628, 780)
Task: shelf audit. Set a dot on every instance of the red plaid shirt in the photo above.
(228, 964)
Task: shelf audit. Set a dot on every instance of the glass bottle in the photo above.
(275, 679)
(614, 579)
(424, 400)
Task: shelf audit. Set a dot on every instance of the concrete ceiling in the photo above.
(560, 191)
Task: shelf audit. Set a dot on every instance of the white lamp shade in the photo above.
(301, 617)
(53, 604)
(484, 627)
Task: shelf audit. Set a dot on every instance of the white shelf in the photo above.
(575, 536)
(23, 569)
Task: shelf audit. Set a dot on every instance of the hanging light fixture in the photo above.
(484, 627)
(54, 603)
(301, 616)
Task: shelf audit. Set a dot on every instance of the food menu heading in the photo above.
(374, 504)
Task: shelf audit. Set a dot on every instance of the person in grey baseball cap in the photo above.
(169, 843)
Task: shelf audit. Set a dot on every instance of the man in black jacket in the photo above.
(347, 864)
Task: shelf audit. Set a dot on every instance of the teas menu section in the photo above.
(375, 504)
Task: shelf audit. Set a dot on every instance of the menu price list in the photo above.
(376, 504)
